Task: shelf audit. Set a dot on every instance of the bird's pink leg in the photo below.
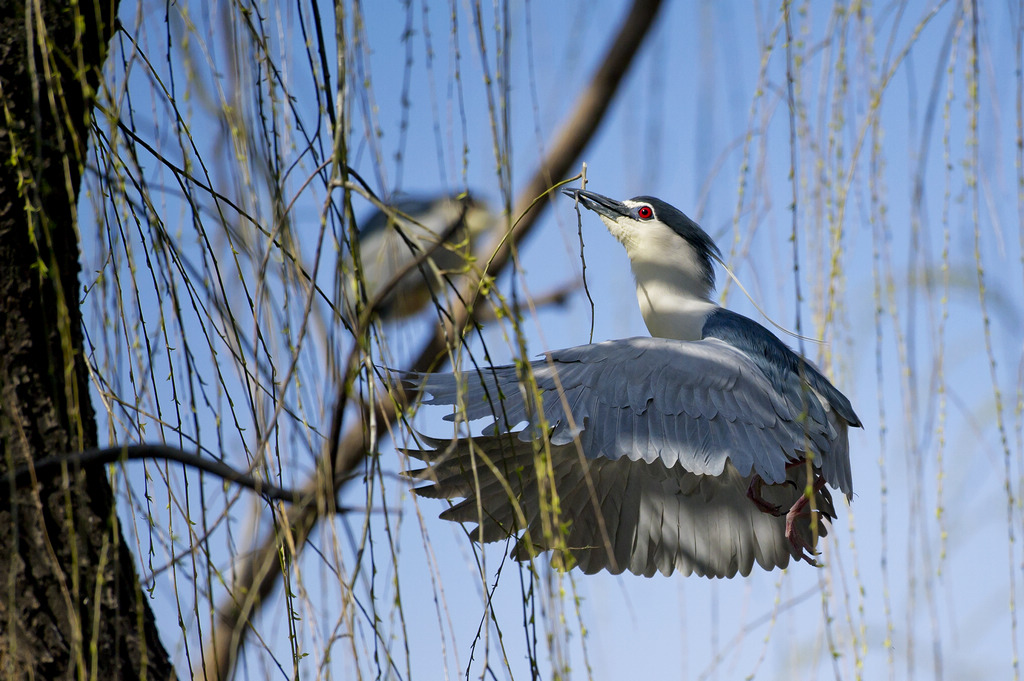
(799, 508)
(757, 483)
(754, 494)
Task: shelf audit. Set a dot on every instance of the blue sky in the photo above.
(919, 568)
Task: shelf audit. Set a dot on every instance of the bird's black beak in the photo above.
(601, 205)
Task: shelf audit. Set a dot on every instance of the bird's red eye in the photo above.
(645, 212)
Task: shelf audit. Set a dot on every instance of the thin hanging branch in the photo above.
(258, 573)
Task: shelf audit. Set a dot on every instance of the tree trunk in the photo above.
(71, 606)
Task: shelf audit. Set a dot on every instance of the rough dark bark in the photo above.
(71, 605)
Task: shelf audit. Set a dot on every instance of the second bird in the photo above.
(389, 244)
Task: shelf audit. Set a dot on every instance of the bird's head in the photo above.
(658, 237)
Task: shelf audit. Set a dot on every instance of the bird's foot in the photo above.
(754, 494)
(804, 551)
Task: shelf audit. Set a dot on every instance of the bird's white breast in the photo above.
(667, 313)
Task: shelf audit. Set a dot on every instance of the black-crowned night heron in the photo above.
(425, 223)
(704, 449)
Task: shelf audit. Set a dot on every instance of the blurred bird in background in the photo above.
(445, 226)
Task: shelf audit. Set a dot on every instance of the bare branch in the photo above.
(110, 455)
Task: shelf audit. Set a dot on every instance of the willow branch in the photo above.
(259, 571)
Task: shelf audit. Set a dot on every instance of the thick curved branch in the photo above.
(258, 573)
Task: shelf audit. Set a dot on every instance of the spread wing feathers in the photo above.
(613, 514)
(698, 404)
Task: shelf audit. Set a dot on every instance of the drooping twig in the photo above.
(258, 572)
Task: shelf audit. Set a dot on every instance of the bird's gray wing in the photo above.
(802, 385)
(698, 405)
(612, 514)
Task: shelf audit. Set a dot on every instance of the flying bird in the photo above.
(704, 449)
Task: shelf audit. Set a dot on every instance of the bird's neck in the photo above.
(673, 304)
